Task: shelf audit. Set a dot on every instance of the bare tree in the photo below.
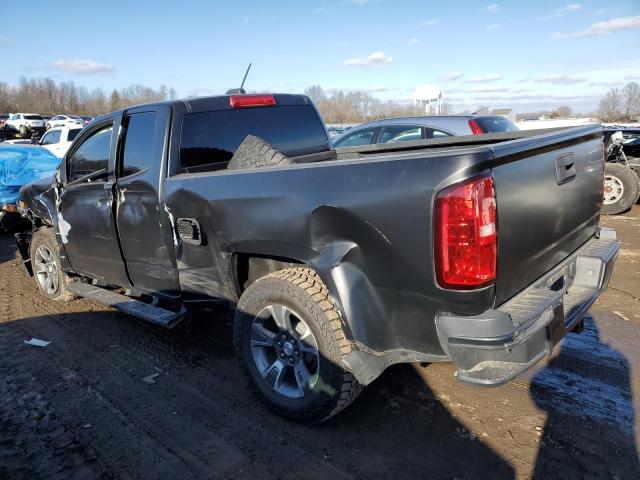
(43, 95)
(631, 100)
(620, 105)
(562, 112)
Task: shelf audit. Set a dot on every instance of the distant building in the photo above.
(505, 112)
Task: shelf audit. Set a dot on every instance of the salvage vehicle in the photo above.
(25, 125)
(20, 165)
(338, 263)
(405, 129)
(70, 121)
(58, 139)
(621, 181)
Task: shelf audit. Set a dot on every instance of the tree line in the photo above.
(46, 97)
(341, 107)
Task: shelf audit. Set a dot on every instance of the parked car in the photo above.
(622, 169)
(20, 165)
(58, 139)
(25, 124)
(338, 263)
(86, 119)
(394, 130)
(70, 121)
(18, 141)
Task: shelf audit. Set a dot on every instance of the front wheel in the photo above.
(621, 188)
(290, 339)
(45, 261)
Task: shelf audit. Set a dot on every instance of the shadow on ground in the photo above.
(587, 394)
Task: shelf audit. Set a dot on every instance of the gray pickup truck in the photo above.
(481, 250)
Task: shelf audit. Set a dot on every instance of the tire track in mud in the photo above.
(178, 431)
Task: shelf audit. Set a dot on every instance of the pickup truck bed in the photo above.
(371, 227)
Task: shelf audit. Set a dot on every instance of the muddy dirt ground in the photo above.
(81, 408)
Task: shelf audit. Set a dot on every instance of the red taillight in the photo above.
(241, 101)
(475, 128)
(465, 235)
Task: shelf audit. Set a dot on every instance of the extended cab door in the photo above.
(85, 219)
(145, 230)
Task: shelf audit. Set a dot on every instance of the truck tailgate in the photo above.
(548, 194)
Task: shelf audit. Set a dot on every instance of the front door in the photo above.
(85, 215)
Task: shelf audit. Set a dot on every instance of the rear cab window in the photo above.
(209, 139)
(496, 124)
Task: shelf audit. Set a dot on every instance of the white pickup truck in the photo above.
(58, 139)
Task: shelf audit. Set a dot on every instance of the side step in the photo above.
(135, 308)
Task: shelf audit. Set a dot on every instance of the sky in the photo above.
(529, 55)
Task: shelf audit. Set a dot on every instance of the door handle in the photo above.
(565, 168)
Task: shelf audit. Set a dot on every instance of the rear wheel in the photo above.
(23, 131)
(45, 261)
(621, 188)
(291, 343)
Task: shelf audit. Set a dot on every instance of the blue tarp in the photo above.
(22, 164)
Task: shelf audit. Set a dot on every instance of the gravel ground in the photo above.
(112, 397)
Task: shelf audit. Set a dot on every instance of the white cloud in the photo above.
(493, 8)
(603, 28)
(413, 41)
(451, 76)
(429, 23)
(572, 7)
(492, 77)
(82, 67)
(559, 79)
(376, 58)
(487, 90)
(492, 26)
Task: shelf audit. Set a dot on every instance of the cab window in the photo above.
(139, 140)
(92, 155)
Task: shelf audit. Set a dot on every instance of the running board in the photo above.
(135, 308)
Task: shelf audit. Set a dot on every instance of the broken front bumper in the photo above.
(496, 346)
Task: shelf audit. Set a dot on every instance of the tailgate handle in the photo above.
(565, 168)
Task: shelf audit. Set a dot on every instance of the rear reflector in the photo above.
(242, 101)
(465, 235)
(475, 128)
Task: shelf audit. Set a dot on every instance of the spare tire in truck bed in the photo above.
(254, 152)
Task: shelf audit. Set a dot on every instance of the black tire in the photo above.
(622, 188)
(253, 152)
(302, 291)
(46, 239)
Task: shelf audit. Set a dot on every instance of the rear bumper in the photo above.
(498, 345)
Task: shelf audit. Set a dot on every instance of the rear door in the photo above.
(548, 195)
(143, 224)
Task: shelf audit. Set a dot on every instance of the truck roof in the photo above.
(222, 102)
